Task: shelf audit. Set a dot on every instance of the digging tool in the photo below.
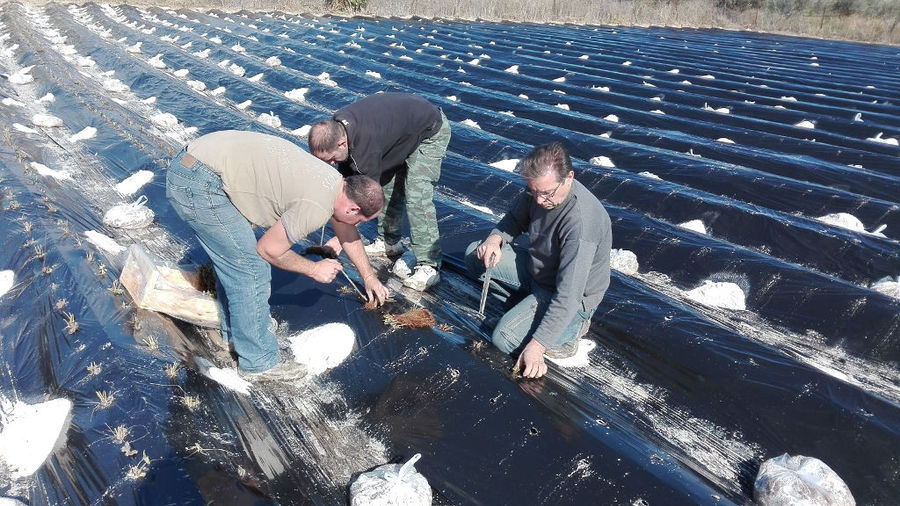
(485, 286)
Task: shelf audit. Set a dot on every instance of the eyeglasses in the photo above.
(544, 195)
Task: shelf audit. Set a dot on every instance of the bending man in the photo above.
(565, 271)
(225, 182)
(400, 140)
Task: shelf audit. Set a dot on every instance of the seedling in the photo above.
(105, 399)
(127, 450)
(120, 433)
(14, 205)
(47, 270)
(139, 470)
(39, 251)
(151, 342)
(172, 370)
(192, 402)
(51, 208)
(94, 369)
(61, 304)
(28, 227)
(89, 256)
(446, 327)
(101, 270)
(116, 288)
(71, 324)
(64, 226)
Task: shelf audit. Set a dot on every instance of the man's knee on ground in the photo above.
(504, 340)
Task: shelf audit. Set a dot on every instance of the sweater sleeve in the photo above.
(515, 222)
(576, 258)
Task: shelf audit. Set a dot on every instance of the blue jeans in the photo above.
(243, 278)
(511, 280)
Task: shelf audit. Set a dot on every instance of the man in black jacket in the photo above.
(399, 140)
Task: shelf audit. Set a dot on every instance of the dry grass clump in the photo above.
(71, 324)
(416, 319)
(105, 399)
(94, 369)
(172, 370)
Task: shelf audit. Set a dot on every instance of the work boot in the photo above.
(424, 278)
(286, 370)
(404, 265)
(564, 350)
(379, 247)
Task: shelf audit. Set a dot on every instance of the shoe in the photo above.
(403, 267)
(424, 278)
(379, 247)
(585, 328)
(287, 370)
(564, 350)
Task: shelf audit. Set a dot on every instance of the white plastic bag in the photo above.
(799, 480)
(391, 485)
(133, 215)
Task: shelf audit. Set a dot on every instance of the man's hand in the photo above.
(531, 360)
(376, 291)
(489, 250)
(325, 270)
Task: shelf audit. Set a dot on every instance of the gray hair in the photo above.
(549, 158)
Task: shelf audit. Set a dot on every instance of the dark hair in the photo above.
(366, 193)
(546, 159)
(325, 135)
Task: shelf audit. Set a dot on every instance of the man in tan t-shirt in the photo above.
(225, 182)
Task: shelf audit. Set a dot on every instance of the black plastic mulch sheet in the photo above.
(680, 402)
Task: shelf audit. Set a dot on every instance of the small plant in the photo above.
(94, 369)
(47, 270)
(7, 134)
(14, 205)
(139, 470)
(51, 208)
(446, 327)
(29, 243)
(71, 324)
(127, 450)
(345, 289)
(151, 342)
(89, 256)
(172, 370)
(64, 226)
(116, 288)
(105, 399)
(61, 304)
(101, 270)
(119, 433)
(192, 402)
(39, 252)
(28, 227)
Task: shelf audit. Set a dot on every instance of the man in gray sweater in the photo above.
(564, 273)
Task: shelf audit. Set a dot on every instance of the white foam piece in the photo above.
(612, 117)
(452, 98)
(649, 85)
(372, 73)
(134, 182)
(114, 85)
(323, 347)
(564, 107)
(273, 61)
(513, 70)
(707, 76)
(7, 279)
(218, 91)
(849, 222)
(104, 242)
(9, 102)
(686, 82)
(725, 140)
(805, 124)
(181, 73)
(43, 170)
(674, 71)
(656, 99)
(228, 378)
(484, 209)
(507, 113)
(245, 104)
(721, 294)
(474, 62)
(884, 140)
(49, 98)
(203, 54)
(196, 85)
(164, 119)
(506, 165)
(788, 99)
(695, 225)
(297, 94)
(523, 96)
(238, 48)
(650, 175)
(657, 111)
(624, 261)
(269, 119)
(237, 70)
(580, 358)
(134, 48)
(626, 63)
(471, 123)
(215, 39)
(30, 432)
(149, 100)
(46, 120)
(22, 76)
(583, 57)
(325, 78)
(24, 129)
(156, 62)
(602, 161)
(560, 79)
(302, 131)
(886, 285)
(257, 78)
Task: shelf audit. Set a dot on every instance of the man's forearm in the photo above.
(291, 261)
(353, 247)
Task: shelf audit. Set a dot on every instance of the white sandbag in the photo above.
(695, 225)
(719, 294)
(129, 215)
(28, 433)
(269, 119)
(799, 480)
(888, 286)
(323, 347)
(624, 261)
(297, 94)
(134, 182)
(46, 120)
(506, 165)
(104, 242)
(391, 485)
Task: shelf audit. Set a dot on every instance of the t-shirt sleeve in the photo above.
(303, 217)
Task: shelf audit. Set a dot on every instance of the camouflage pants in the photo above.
(414, 186)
